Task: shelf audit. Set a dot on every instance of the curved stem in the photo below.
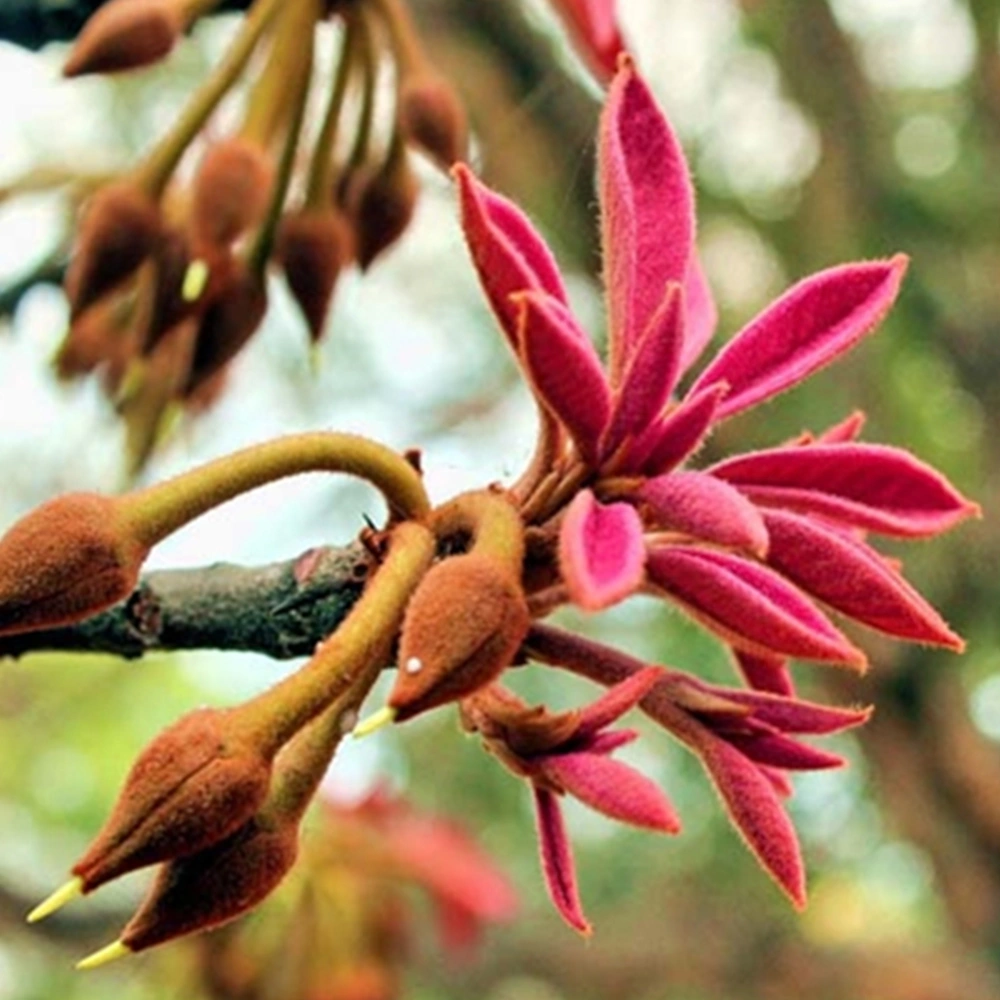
(159, 510)
(492, 521)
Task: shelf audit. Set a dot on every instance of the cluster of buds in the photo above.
(608, 507)
(167, 280)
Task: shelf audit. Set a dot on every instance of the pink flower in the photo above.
(569, 753)
(594, 24)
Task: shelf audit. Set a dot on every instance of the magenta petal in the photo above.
(807, 328)
(601, 552)
(651, 373)
(613, 789)
(508, 254)
(869, 486)
(616, 701)
(748, 604)
(765, 673)
(675, 436)
(705, 508)
(557, 860)
(848, 430)
(852, 577)
(647, 211)
(565, 370)
(775, 750)
(594, 24)
(702, 314)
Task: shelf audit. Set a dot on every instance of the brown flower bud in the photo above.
(192, 787)
(314, 246)
(230, 190)
(125, 34)
(120, 227)
(66, 560)
(95, 337)
(431, 116)
(463, 626)
(383, 205)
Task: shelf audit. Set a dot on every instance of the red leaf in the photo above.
(557, 861)
(765, 673)
(702, 314)
(595, 26)
(616, 701)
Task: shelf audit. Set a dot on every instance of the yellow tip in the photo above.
(195, 280)
(63, 895)
(111, 953)
(375, 721)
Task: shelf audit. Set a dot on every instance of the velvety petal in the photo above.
(765, 673)
(594, 25)
(869, 486)
(676, 435)
(647, 211)
(507, 252)
(614, 789)
(557, 860)
(706, 508)
(807, 328)
(702, 314)
(616, 701)
(651, 373)
(565, 370)
(601, 551)
(784, 753)
(853, 578)
(748, 604)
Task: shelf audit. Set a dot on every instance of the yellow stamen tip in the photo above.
(111, 953)
(195, 281)
(374, 721)
(63, 895)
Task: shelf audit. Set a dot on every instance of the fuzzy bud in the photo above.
(192, 787)
(462, 627)
(230, 190)
(383, 206)
(97, 336)
(119, 231)
(314, 246)
(125, 34)
(66, 560)
(431, 116)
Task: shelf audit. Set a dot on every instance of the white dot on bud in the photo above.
(414, 665)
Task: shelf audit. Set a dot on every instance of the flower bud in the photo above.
(119, 230)
(383, 208)
(314, 246)
(431, 116)
(192, 787)
(463, 626)
(95, 337)
(230, 190)
(66, 560)
(125, 34)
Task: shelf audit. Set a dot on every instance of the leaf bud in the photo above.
(383, 207)
(431, 116)
(230, 190)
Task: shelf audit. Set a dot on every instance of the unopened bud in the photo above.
(120, 226)
(314, 246)
(125, 34)
(383, 206)
(431, 116)
(230, 190)
(66, 560)
(97, 336)
(463, 626)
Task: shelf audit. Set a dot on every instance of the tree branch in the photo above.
(281, 610)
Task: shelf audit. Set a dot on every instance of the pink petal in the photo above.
(807, 328)
(557, 860)
(613, 789)
(651, 373)
(705, 508)
(595, 26)
(647, 211)
(507, 252)
(601, 552)
(616, 701)
(748, 604)
(778, 751)
(869, 486)
(565, 369)
(702, 314)
(853, 578)
(765, 673)
(848, 430)
(675, 436)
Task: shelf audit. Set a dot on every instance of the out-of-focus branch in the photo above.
(281, 610)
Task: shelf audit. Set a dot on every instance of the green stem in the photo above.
(365, 53)
(159, 510)
(406, 47)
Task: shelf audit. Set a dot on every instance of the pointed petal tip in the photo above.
(110, 953)
(66, 893)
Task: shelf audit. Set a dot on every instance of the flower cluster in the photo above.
(750, 547)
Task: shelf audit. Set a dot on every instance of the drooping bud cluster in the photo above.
(155, 255)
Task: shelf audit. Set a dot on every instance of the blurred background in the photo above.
(819, 131)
